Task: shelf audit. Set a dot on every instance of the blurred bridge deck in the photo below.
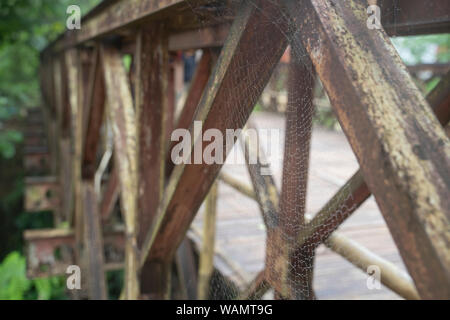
(240, 235)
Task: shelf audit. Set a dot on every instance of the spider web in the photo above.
(302, 95)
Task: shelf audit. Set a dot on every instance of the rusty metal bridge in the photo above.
(98, 149)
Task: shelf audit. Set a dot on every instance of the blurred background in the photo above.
(26, 27)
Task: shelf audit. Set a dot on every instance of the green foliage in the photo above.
(424, 49)
(114, 279)
(8, 141)
(127, 61)
(26, 28)
(14, 284)
(412, 50)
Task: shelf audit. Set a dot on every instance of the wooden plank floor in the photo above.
(240, 238)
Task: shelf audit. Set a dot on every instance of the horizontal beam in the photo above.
(401, 17)
(414, 17)
(112, 16)
(201, 38)
(50, 251)
(391, 276)
(237, 184)
(437, 69)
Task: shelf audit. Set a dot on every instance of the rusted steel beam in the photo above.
(349, 197)
(115, 16)
(49, 110)
(75, 100)
(152, 67)
(283, 263)
(400, 17)
(44, 247)
(110, 195)
(401, 147)
(439, 100)
(201, 38)
(396, 280)
(391, 276)
(206, 259)
(122, 117)
(265, 190)
(187, 269)
(414, 17)
(93, 107)
(55, 123)
(299, 115)
(64, 103)
(257, 288)
(189, 183)
(297, 144)
(237, 185)
(58, 89)
(65, 148)
(175, 67)
(355, 191)
(196, 89)
(437, 69)
(65, 178)
(93, 244)
(46, 82)
(199, 81)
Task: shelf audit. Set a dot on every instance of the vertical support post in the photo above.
(295, 174)
(65, 172)
(152, 66)
(123, 121)
(94, 243)
(47, 86)
(57, 139)
(171, 95)
(88, 222)
(65, 178)
(187, 269)
(206, 264)
(75, 94)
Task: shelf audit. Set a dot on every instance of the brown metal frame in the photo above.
(401, 146)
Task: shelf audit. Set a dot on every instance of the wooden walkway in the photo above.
(240, 234)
